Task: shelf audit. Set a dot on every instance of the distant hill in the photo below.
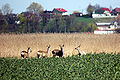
(83, 19)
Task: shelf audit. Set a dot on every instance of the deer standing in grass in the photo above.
(43, 54)
(79, 51)
(25, 54)
(57, 52)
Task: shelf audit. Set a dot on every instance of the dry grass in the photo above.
(11, 45)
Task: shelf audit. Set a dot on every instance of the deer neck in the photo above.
(62, 49)
(48, 49)
(28, 51)
(79, 51)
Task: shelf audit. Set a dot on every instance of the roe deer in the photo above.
(43, 54)
(25, 54)
(57, 52)
(79, 51)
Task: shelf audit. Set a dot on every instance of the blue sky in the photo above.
(19, 6)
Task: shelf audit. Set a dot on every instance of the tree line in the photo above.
(35, 19)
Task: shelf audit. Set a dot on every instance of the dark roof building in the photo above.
(48, 14)
(48, 11)
(78, 14)
(115, 11)
(102, 10)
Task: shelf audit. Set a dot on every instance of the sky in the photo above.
(19, 6)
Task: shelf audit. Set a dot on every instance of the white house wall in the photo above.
(102, 16)
(103, 23)
(104, 32)
(102, 28)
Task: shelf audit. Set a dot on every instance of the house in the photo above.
(106, 9)
(102, 13)
(105, 28)
(116, 21)
(59, 10)
(104, 31)
(115, 11)
(77, 14)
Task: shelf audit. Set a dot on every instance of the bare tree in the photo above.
(0, 11)
(6, 9)
(110, 8)
(35, 8)
(97, 6)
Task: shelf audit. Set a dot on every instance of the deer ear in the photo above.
(63, 45)
(79, 45)
(47, 45)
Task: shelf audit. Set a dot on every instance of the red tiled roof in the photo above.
(60, 9)
(117, 9)
(106, 9)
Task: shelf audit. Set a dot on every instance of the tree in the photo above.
(44, 21)
(6, 9)
(68, 22)
(22, 25)
(76, 12)
(35, 8)
(90, 9)
(97, 6)
(33, 21)
(0, 12)
(58, 18)
(3, 25)
(110, 8)
(51, 26)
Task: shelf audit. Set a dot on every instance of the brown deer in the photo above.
(25, 54)
(57, 52)
(79, 51)
(43, 54)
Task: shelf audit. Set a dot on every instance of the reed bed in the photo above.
(11, 45)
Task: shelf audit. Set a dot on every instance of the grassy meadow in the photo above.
(12, 44)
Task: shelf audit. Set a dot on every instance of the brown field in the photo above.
(11, 45)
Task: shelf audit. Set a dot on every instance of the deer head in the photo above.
(48, 46)
(61, 46)
(78, 47)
